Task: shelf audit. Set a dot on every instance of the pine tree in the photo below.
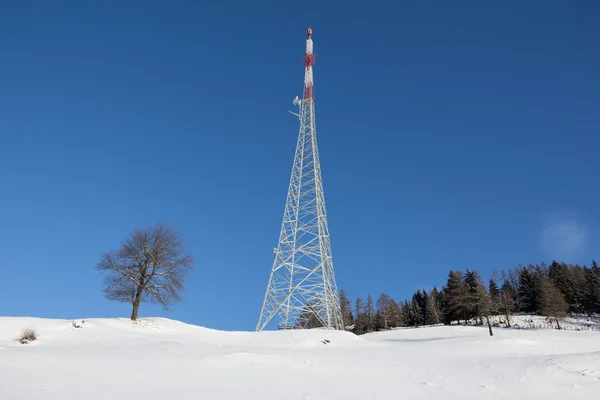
(378, 322)
(475, 295)
(493, 288)
(494, 294)
(529, 291)
(453, 298)
(423, 306)
(563, 280)
(408, 314)
(417, 312)
(535, 289)
(577, 277)
(360, 322)
(592, 289)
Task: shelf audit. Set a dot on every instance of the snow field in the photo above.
(159, 358)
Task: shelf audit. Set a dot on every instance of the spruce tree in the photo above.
(378, 322)
(475, 296)
(493, 288)
(529, 291)
(494, 294)
(416, 309)
(423, 300)
(408, 314)
(561, 275)
(592, 288)
(360, 322)
(453, 298)
(578, 279)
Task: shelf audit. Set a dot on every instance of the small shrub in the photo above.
(28, 335)
(76, 324)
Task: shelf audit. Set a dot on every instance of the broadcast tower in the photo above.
(302, 292)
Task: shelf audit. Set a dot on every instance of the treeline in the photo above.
(552, 291)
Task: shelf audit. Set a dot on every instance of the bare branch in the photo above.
(151, 265)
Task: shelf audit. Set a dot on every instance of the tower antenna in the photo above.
(302, 291)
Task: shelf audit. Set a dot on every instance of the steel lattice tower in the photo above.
(302, 292)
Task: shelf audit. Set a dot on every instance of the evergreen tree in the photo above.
(494, 294)
(581, 294)
(592, 289)
(475, 296)
(379, 322)
(416, 309)
(453, 298)
(493, 288)
(360, 322)
(423, 303)
(529, 291)
(407, 314)
(561, 275)
(534, 289)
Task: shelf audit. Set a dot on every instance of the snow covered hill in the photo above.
(159, 358)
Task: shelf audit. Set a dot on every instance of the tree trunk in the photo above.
(557, 324)
(489, 325)
(136, 304)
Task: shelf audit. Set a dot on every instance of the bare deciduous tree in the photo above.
(384, 306)
(150, 266)
(552, 302)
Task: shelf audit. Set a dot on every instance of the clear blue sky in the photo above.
(452, 135)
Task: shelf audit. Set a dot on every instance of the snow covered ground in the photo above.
(526, 321)
(159, 358)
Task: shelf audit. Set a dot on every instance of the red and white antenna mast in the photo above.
(309, 60)
(302, 292)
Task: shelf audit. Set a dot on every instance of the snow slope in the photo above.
(159, 358)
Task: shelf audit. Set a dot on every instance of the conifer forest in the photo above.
(554, 291)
